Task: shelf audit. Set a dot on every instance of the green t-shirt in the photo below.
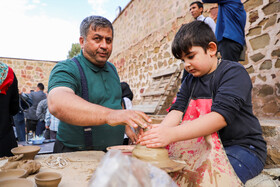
(103, 88)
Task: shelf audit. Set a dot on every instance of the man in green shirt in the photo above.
(101, 111)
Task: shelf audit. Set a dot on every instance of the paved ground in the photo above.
(268, 178)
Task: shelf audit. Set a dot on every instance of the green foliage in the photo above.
(75, 49)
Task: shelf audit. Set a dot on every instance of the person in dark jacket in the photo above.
(9, 99)
(30, 114)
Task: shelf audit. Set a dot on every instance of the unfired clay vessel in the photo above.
(156, 156)
(48, 179)
(13, 174)
(28, 152)
(17, 182)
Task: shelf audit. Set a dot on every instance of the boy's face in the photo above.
(199, 63)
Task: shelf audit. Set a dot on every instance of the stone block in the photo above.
(260, 41)
(267, 64)
(271, 134)
(271, 8)
(257, 57)
(271, 21)
(252, 4)
(254, 31)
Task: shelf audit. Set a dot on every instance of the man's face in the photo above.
(97, 46)
(195, 11)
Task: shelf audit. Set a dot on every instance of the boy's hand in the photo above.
(157, 136)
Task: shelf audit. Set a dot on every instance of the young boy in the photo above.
(228, 86)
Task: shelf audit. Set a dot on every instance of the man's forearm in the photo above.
(72, 109)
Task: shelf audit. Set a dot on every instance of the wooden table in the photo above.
(78, 171)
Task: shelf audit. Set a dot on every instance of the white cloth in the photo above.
(128, 105)
(208, 21)
(51, 121)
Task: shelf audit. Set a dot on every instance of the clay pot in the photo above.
(28, 152)
(13, 174)
(17, 182)
(48, 179)
(157, 157)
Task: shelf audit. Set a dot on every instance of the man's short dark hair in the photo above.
(41, 86)
(199, 4)
(196, 33)
(94, 22)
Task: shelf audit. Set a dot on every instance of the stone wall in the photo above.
(30, 72)
(145, 29)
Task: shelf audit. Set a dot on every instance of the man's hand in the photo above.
(128, 117)
(157, 136)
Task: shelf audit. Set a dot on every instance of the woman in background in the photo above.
(9, 106)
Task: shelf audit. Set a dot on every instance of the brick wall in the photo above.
(30, 72)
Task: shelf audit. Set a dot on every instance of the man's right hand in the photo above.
(128, 117)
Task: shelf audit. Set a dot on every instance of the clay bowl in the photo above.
(28, 152)
(48, 179)
(17, 183)
(13, 174)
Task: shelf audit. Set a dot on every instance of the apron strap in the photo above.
(87, 129)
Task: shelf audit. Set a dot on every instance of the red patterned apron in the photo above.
(206, 160)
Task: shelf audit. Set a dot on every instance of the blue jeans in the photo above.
(245, 163)
(20, 125)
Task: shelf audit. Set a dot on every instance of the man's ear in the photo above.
(212, 48)
(81, 39)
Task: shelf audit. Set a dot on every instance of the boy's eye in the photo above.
(190, 56)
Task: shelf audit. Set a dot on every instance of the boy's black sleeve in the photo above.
(182, 97)
(233, 92)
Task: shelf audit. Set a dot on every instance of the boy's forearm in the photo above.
(202, 126)
(172, 119)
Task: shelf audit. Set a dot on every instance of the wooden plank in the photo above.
(165, 72)
(153, 93)
(145, 108)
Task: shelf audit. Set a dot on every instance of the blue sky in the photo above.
(46, 29)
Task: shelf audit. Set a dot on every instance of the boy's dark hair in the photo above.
(196, 33)
(199, 4)
(41, 86)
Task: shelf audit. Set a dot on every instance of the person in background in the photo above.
(52, 124)
(219, 90)
(30, 114)
(196, 10)
(85, 94)
(230, 34)
(9, 99)
(20, 122)
(41, 113)
(127, 97)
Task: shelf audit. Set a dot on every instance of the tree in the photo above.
(75, 49)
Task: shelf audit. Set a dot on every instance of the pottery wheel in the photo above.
(158, 157)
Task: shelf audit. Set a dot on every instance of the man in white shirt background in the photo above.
(196, 9)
